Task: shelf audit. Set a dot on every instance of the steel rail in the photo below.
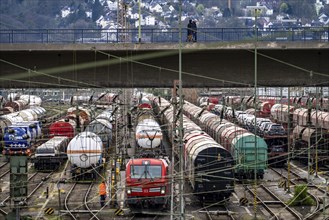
(277, 198)
(263, 203)
(86, 202)
(315, 198)
(66, 199)
(8, 197)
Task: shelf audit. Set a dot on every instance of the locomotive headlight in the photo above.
(163, 190)
(128, 191)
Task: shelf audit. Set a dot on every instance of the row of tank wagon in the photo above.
(147, 182)
(15, 103)
(310, 127)
(249, 151)
(274, 134)
(87, 149)
(209, 167)
(264, 103)
(21, 130)
(51, 154)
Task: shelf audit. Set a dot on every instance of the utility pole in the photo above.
(122, 21)
(316, 130)
(309, 123)
(288, 135)
(256, 10)
(181, 133)
(173, 208)
(139, 22)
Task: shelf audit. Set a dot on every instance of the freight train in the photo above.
(274, 134)
(240, 142)
(77, 118)
(148, 132)
(209, 166)
(22, 102)
(310, 132)
(31, 114)
(87, 151)
(264, 103)
(147, 179)
(50, 155)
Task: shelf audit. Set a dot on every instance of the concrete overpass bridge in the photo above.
(212, 63)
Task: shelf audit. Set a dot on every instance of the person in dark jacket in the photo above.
(189, 31)
(194, 31)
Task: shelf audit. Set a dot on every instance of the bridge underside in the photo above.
(224, 67)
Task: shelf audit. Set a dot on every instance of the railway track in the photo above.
(75, 209)
(145, 217)
(4, 169)
(276, 208)
(3, 202)
(313, 190)
(218, 213)
(35, 187)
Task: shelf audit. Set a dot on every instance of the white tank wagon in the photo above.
(103, 129)
(33, 114)
(33, 100)
(50, 155)
(148, 134)
(85, 152)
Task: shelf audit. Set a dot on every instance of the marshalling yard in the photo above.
(236, 165)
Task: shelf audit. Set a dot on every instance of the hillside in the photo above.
(37, 14)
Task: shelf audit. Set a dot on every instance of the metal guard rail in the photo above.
(153, 35)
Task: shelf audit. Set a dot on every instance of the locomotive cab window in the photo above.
(145, 171)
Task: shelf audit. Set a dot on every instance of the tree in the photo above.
(301, 197)
(285, 8)
(97, 10)
(200, 9)
(303, 9)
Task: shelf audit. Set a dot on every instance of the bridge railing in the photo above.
(153, 35)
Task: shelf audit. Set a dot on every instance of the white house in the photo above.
(156, 8)
(65, 12)
(112, 5)
(171, 8)
(149, 20)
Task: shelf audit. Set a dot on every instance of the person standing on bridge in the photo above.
(189, 31)
(102, 193)
(194, 30)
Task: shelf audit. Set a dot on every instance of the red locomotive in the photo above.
(147, 184)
